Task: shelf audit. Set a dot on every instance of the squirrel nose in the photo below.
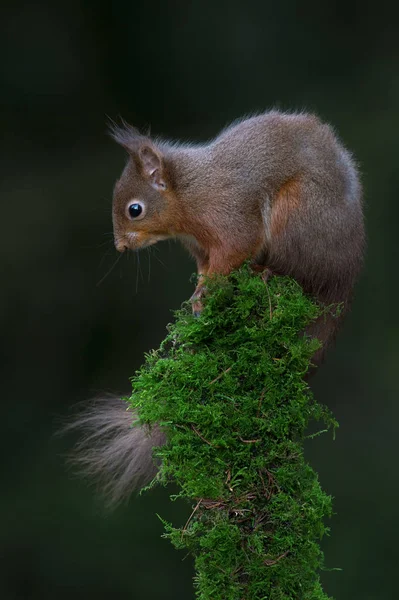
(120, 246)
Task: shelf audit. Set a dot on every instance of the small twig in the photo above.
(228, 480)
(271, 481)
(270, 477)
(269, 562)
(212, 504)
(220, 376)
(190, 517)
(202, 437)
(246, 497)
(249, 441)
(265, 277)
(259, 521)
(261, 401)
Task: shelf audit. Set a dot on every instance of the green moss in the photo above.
(229, 390)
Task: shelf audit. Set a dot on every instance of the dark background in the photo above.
(187, 69)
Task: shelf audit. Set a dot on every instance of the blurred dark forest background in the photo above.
(186, 69)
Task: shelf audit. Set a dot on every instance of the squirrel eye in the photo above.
(135, 210)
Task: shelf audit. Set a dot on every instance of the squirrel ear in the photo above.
(153, 168)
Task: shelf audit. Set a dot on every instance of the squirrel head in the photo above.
(143, 198)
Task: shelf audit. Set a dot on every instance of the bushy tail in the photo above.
(112, 450)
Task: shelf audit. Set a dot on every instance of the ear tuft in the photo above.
(152, 165)
(125, 135)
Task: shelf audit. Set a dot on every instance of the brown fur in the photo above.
(287, 200)
(277, 188)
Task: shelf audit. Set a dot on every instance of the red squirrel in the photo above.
(278, 189)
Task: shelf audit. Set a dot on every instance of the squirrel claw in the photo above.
(196, 300)
(267, 273)
(197, 305)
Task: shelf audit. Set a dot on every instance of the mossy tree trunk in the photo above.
(229, 390)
